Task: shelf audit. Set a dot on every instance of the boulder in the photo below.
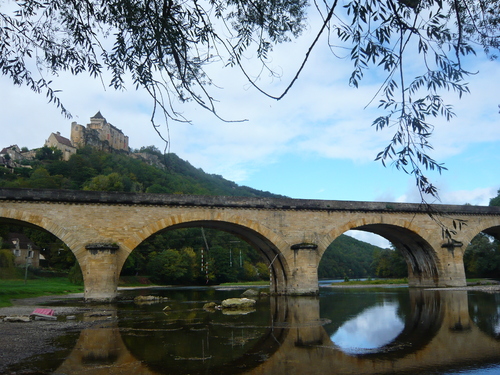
(148, 300)
(210, 306)
(250, 293)
(238, 303)
(17, 318)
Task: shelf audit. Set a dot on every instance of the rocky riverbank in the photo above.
(22, 340)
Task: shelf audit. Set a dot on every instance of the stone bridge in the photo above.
(103, 228)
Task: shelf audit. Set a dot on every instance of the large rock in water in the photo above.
(238, 303)
(148, 300)
(250, 293)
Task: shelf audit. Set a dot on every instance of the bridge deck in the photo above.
(75, 196)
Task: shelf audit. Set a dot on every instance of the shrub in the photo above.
(75, 275)
(6, 258)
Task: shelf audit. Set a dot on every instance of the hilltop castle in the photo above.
(99, 134)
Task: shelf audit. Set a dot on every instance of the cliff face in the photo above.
(149, 158)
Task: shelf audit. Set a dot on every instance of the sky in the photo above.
(316, 143)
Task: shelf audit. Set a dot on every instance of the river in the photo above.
(390, 330)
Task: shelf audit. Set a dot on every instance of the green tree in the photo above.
(157, 189)
(249, 272)
(347, 256)
(164, 45)
(41, 179)
(111, 182)
(495, 201)
(389, 263)
(482, 257)
(262, 271)
(223, 268)
(167, 267)
(49, 153)
(7, 267)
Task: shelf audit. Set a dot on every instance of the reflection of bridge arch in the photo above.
(426, 315)
(454, 341)
(421, 258)
(257, 235)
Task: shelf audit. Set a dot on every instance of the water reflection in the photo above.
(373, 328)
(404, 331)
(485, 312)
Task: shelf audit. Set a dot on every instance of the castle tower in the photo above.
(100, 134)
(77, 135)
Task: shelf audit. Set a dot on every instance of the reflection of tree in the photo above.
(484, 310)
(389, 263)
(190, 340)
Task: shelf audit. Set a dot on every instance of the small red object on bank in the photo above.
(44, 313)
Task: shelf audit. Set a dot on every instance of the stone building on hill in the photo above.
(64, 144)
(13, 157)
(99, 134)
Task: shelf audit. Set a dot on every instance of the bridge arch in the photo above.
(489, 226)
(33, 220)
(422, 259)
(261, 238)
(41, 222)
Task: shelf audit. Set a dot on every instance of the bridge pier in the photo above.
(100, 273)
(303, 278)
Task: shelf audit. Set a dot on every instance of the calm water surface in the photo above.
(343, 331)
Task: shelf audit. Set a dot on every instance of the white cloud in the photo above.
(478, 196)
(370, 238)
(373, 328)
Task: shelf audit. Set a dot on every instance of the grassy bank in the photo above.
(16, 289)
(374, 282)
(249, 283)
(405, 282)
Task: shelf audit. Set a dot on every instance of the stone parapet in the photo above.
(110, 197)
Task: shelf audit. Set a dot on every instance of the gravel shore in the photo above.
(22, 340)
